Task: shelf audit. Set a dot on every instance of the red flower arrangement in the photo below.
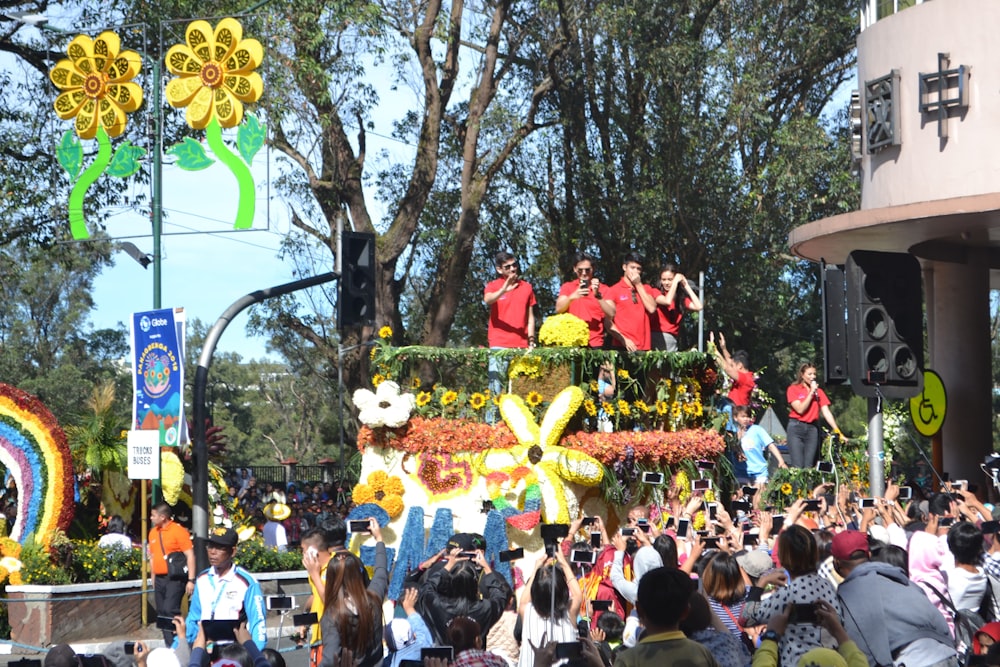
(444, 476)
(453, 436)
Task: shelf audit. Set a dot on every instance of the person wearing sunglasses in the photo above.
(582, 297)
(511, 301)
(633, 303)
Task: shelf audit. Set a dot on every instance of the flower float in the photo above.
(34, 451)
(565, 330)
(383, 490)
(171, 476)
(537, 460)
(215, 76)
(385, 406)
(97, 93)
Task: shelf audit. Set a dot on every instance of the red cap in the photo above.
(847, 543)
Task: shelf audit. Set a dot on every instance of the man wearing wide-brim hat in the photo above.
(274, 531)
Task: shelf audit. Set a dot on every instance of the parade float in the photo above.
(442, 455)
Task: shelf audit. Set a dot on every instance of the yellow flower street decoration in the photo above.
(97, 85)
(97, 93)
(215, 76)
(215, 73)
(384, 490)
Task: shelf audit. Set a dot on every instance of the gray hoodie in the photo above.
(884, 611)
(645, 559)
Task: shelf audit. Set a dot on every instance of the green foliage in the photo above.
(38, 567)
(126, 160)
(92, 563)
(70, 154)
(250, 137)
(254, 556)
(190, 155)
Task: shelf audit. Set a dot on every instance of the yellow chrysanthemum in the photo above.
(385, 332)
(622, 373)
(96, 84)
(377, 379)
(393, 485)
(449, 397)
(477, 401)
(362, 494)
(171, 477)
(215, 73)
(377, 480)
(423, 398)
(373, 353)
(533, 398)
(15, 579)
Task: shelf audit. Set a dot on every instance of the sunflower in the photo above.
(215, 73)
(477, 401)
(96, 84)
(593, 386)
(377, 379)
(385, 332)
(640, 405)
(448, 397)
(533, 399)
(662, 408)
(622, 373)
(786, 489)
(590, 407)
(624, 407)
(415, 383)
(423, 398)
(608, 408)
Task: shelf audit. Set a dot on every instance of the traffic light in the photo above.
(885, 323)
(356, 304)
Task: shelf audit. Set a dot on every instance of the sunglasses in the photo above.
(584, 270)
(635, 297)
(507, 267)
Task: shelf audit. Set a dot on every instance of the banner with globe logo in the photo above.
(158, 374)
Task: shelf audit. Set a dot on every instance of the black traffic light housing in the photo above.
(885, 320)
(356, 304)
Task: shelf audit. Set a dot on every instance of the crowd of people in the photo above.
(833, 579)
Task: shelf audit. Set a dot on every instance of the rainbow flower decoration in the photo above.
(34, 450)
(215, 76)
(97, 93)
(538, 461)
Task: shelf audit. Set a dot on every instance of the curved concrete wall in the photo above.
(924, 167)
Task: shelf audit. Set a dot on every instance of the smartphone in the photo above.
(749, 491)
(777, 521)
(905, 493)
(628, 532)
(411, 663)
(580, 556)
(220, 630)
(471, 555)
(945, 521)
(588, 521)
(600, 605)
(804, 613)
(670, 523)
(867, 503)
(713, 511)
(812, 505)
(280, 602)
(825, 467)
(652, 478)
(583, 628)
(165, 623)
(960, 484)
(751, 539)
(444, 652)
(568, 650)
(129, 648)
(741, 505)
(945, 476)
(554, 531)
(595, 540)
(682, 527)
(312, 618)
(990, 527)
(710, 542)
(701, 484)
(513, 554)
(358, 526)
(705, 465)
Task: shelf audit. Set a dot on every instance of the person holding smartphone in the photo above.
(549, 607)
(806, 403)
(754, 440)
(582, 297)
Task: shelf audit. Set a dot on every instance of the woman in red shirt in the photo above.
(807, 402)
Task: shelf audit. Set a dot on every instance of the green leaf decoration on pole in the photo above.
(190, 155)
(70, 154)
(250, 137)
(125, 161)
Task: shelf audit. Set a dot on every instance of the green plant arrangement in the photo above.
(91, 563)
(254, 556)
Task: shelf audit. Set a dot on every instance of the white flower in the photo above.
(385, 407)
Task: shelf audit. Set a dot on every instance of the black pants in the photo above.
(167, 596)
(803, 443)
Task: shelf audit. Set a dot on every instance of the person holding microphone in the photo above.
(807, 402)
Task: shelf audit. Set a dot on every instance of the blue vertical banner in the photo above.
(158, 374)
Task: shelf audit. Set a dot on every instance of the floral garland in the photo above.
(565, 330)
(383, 490)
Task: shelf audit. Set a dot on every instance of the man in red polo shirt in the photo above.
(166, 537)
(512, 316)
(582, 297)
(633, 303)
